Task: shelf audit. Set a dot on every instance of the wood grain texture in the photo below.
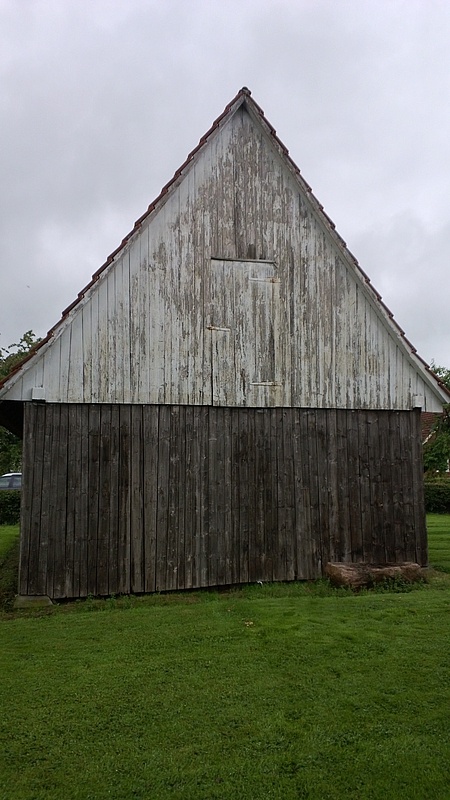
(159, 498)
(233, 292)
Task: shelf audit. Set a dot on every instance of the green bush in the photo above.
(437, 495)
(9, 507)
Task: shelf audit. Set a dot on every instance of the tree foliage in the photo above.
(10, 356)
(10, 445)
(443, 374)
(436, 452)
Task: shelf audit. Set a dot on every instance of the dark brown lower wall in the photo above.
(121, 499)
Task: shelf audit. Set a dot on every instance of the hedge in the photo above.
(10, 507)
(437, 495)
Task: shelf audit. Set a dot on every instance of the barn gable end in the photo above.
(227, 401)
(234, 267)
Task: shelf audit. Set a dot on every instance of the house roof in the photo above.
(428, 421)
(243, 96)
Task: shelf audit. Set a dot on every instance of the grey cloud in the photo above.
(101, 101)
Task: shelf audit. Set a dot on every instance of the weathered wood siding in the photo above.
(146, 331)
(128, 498)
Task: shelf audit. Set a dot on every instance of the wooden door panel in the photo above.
(244, 325)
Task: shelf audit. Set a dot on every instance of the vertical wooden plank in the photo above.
(323, 530)
(150, 428)
(219, 497)
(92, 377)
(113, 386)
(87, 350)
(71, 584)
(353, 485)
(234, 497)
(220, 491)
(221, 334)
(31, 488)
(93, 497)
(364, 485)
(125, 317)
(214, 467)
(200, 459)
(191, 471)
(386, 485)
(253, 572)
(103, 544)
(205, 494)
(179, 442)
(136, 323)
(103, 343)
(289, 495)
(396, 549)
(47, 537)
(342, 486)
(124, 322)
(57, 533)
(64, 355)
(270, 494)
(308, 554)
(124, 512)
(310, 431)
(60, 519)
(174, 349)
(75, 359)
(279, 554)
(82, 517)
(112, 511)
(301, 533)
(259, 507)
(279, 566)
(243, 442)
(156, 281)
(172, 489)
(377, 545)
(227, 493)
(163, 497)
(334, 533)
(137, 443)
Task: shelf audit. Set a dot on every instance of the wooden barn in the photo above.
(227, 401)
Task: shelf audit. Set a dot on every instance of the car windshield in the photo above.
(11, 481)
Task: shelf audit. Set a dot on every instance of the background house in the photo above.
(228, 400)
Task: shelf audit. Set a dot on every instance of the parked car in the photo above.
(11, 480)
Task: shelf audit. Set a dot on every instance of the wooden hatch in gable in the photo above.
(244, 327)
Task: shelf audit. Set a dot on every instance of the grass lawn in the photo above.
(438, 526)
(8, 535)
(284, 691)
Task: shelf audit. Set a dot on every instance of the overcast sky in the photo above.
(100, 102)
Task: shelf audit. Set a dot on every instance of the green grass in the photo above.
(9, 564)
(283, 691)
(439, 541)
(8, 535)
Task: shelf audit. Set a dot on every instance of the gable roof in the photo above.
(428, 420)
(243, 98)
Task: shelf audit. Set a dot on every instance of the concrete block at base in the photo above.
(32, 601)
